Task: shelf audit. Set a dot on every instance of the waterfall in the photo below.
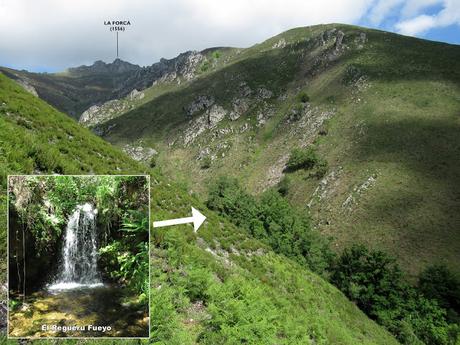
(79, 251)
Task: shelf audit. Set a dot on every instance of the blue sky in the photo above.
(51, 35)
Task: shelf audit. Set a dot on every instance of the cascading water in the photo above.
(79, 252)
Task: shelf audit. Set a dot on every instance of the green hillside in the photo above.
(380, 110)
(218, 286)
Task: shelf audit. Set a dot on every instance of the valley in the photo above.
(382, 111)
(328, 137)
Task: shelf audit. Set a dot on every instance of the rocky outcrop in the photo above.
(136, 95)
(199, 104)
(199, 124)
(240, 106)
(26, 86)
(280, 44)
(98, 114)
(215, 114)
(139, 153)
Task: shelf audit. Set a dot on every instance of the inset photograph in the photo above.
(78, 256)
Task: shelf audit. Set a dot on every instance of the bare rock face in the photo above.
(215, 114)
(240, 106)
(338, 40)
(263, 93)
(26, 86)
(136, 95)
(98, 114)
(190, 64)
(89, 115)
(195, 128)
(208, 120)
(200, 103)
(139, 153)
(280, 44)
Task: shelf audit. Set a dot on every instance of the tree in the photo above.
(439, 283)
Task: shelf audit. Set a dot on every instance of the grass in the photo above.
(398, 122)
(247, 293)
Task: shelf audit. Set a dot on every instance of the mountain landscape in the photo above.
(317, 147)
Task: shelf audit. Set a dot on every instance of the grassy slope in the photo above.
(72, 94)
(270, 296)
(398, 124)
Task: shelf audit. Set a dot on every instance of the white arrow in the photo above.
(197, 219)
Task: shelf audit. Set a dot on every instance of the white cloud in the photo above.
(55, 34)
(381, 9)
(58, 33)
(413, 8)
(449, 15)
(416, 25)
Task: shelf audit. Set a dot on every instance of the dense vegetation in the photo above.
(375, 282)
(372, 279)
(272, 220)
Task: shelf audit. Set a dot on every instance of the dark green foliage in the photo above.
(303, 97)
(302, 159)
(439, 283)
(153, 162)
(206, 162)
(272, 220)
(283, 186)
(374, 281)
(125, 251)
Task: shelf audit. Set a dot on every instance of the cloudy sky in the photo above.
(50, 35)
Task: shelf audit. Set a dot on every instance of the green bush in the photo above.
(283, 186)
(303, 97)
(439, 283)
(153, 162)
(206, 162)
(302, 159)
(374, 282)
(273, 220)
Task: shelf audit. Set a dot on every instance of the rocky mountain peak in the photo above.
(101, 67)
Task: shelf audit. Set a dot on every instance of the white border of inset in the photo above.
(8, 257)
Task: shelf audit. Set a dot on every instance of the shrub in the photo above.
(302, 159)
(303, 97)
(283, 186)
(273, 220)
(374, 281)
(439, 283)
(206, 162)
(153, 162)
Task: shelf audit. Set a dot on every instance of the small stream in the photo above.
(108, 306)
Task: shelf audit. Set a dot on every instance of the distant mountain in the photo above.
(99, 67)
(77, 89)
